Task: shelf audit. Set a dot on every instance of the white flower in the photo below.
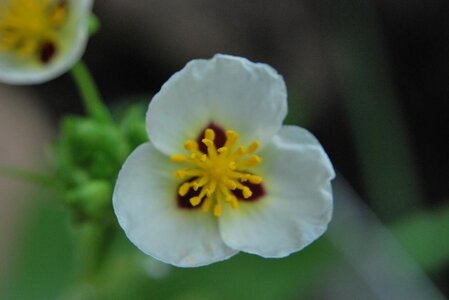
(221, 174)
(41, 39)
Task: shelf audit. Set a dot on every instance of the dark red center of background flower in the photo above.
(47, 51)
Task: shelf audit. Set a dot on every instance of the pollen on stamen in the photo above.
(255, 179)
(195, 201)
(184, 188)
(253, 147)
(247, 192)
(218, 208)
(191, 145)
(218, 171)
(206, 204)
(210, 134)
(178, 158)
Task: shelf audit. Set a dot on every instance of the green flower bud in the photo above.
(98, 147)
(92, 199)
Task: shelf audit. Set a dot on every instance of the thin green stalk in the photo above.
(93, 102)
(94, 243)
(40, 179)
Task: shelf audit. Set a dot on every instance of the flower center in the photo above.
(219, 173)
(29, 27)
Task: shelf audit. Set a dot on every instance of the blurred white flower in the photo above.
(41, 39)
(221, 174)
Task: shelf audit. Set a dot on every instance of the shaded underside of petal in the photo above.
(229, 91)
(70, 45)
(145, 203)
(298, 204)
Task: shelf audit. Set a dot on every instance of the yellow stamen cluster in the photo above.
(27, 26)
(218, 173)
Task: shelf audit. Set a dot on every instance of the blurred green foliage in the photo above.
(425, 236)
(377, 126)
(49, 268)
(43, 264)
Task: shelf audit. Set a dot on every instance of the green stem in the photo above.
(94, 242)
(93, 103)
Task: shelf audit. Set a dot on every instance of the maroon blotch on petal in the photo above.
(184, 201)
(47, 52)
(257, 189)
(220, 137)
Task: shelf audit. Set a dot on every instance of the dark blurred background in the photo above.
(368, 78)
(141, 44)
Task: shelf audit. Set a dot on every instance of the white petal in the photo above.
(71, 45)
(230, 91)
(145, 203)
(298, 203)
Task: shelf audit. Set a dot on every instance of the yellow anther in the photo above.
(191, 145)
(253, 161)
(231, 138)
(209, 134)
(230, 184)
(234, 203)
(179, 174)
(27, 49)
(240, 151)
(208, 142)
(195, 201)
(200, 182)
(247, 193)
(242, 176)
(222, 150)
(184, 188)
(255, 179)
(206, 204)
(217, 209)
(253, 147)
(211, 188)
(59, 15)
(178, 158)
(211, 150)
(230, 198)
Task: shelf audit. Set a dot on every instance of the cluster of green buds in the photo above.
(88, 156)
